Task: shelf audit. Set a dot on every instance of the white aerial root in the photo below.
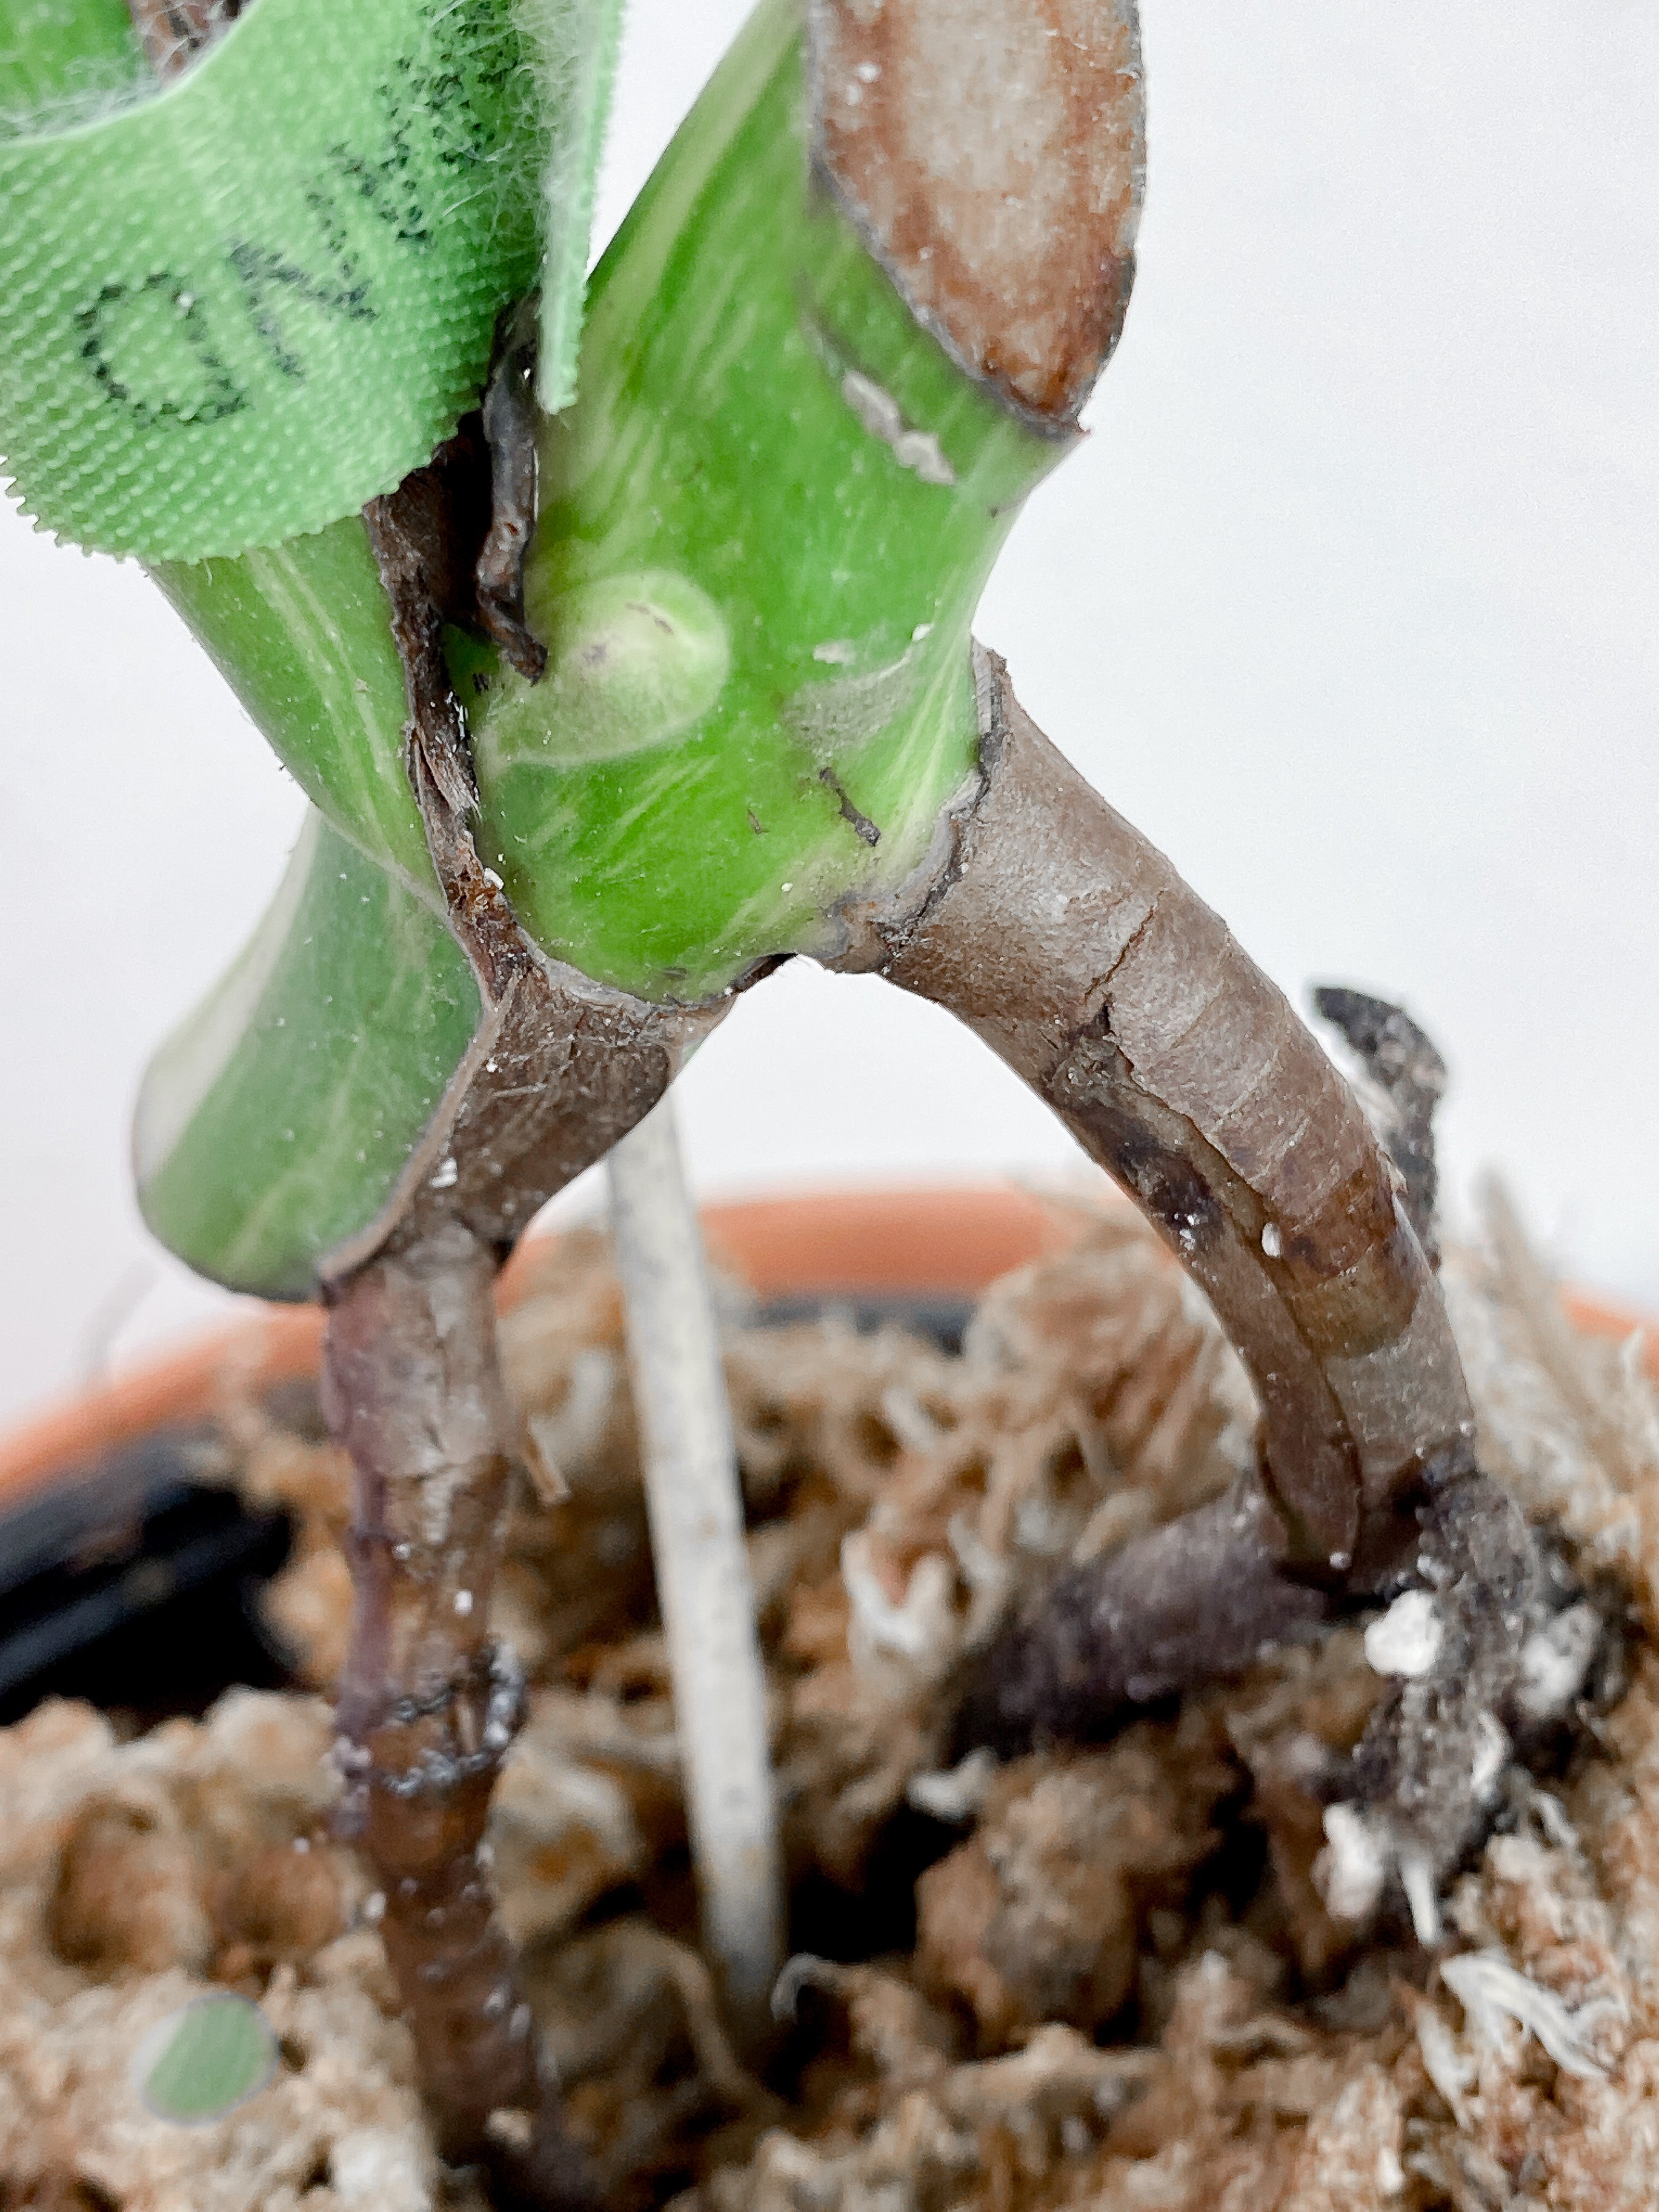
(1488, 1988)
(703, 1586)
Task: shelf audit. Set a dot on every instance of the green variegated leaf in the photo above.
(275, 1120)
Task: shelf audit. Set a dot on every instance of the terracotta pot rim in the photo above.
(941, 1238)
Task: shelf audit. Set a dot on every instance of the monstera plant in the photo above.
(618, 672)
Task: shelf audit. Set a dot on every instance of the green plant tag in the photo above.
(233, 310)
(206, 2057)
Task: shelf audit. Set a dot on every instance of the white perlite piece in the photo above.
(1492, 1753)
(1405, 1639)
(1554, 1661)
(954, 1793)
(380, 2171)
(919, 1629)
(1417, 1880)
(1353, 1866)
(1488, 1987)
(695, 1505)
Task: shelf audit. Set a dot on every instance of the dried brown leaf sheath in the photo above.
(993, 153)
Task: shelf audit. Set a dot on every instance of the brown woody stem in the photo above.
(1075, 949)
(428, 1705)
(1067, 941)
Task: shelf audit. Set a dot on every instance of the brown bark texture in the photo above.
(428, 1706)
(1058, 934)
(1064, 938)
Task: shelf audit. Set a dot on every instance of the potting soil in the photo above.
(1131, 1978)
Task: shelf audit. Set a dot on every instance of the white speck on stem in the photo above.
(446, 1174)
(463, 1602)
(1406, 1640)
(1272, 1242)
(879, 411)
(695, 1503)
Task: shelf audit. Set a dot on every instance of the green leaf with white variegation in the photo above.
(275, 1118)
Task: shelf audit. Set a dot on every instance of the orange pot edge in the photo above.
(940, 1240)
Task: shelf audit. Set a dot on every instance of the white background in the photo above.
(1349, 603)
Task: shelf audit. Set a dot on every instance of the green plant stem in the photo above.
(743, 584)
(758, 608)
